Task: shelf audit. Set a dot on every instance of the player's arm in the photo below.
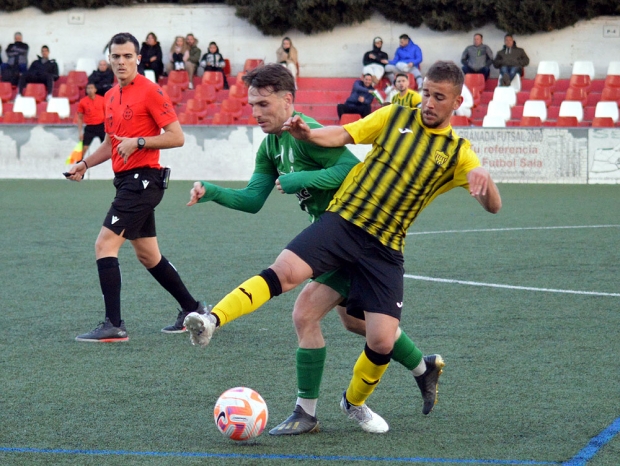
(103, 153)
(80, 123)
(484, 190)
(249, 199)
(327, 136)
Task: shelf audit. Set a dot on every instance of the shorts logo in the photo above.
(128, 113)
(145, 183)
(114, 219)
(440, 157)
(399, 305)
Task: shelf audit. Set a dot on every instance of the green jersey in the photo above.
(311, 172)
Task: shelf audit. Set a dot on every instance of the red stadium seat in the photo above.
(612, 80)
(14, 117)
(240, 93)
(545, 80)
(48, 118)
(198, 107)
(232, 107)
(227, 67)
(252, 63)
(349, 118)
(459, 120)
(79, 78)
(174, 92)
(567, 121)
(222, 119)
(214, 78)
(179, 78)
(206, 93)
(580, 80)
(611, 94)
(475, 81)
(541, 93)
(530, 121)
(188, 118)
(6, 91)
(577, 94)
(36, 90)
(70, 91)
(602, 122)
(252, 121)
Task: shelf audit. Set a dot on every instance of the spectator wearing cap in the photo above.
(374, 61)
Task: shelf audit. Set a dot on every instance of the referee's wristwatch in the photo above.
(141, 143)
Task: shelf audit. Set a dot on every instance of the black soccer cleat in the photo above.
(429, 381)
(300, 422)
(179, 326)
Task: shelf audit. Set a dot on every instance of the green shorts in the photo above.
(338, 280)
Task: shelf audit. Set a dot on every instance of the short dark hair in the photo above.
(404, 75)
(122, 38)
(508, 35)
(478, 34)
(45, 47)
(446, 71)
(273, 77)
(404, 36)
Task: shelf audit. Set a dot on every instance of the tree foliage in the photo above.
(276, 17)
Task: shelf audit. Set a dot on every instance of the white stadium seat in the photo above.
(535, 108)
(584, 68)
(613, 68)
(150, 75)
(572, 108)
(549, 67)
(499, 109)
(607, 109)
(493, 121)
(505, 94)
(86, 64)
(516, 83)
(468, 103)
(26, 105)
(59, 105)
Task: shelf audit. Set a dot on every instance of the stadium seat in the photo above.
(530, 121)
(459, 120)
(505, 94)
(227, 68)
(252, 121)
(46, 118)
(150, 75)
(206, 93)
(611, 94)
(88, 65)
(612, 80)
(174, 92)
(535, 108)
(577, 94)
(608, 110)
(349, 118)
(602, 122)
(59, 105)
(6, 91)
(584, 68)
(36, 90)
(188, 118)
(26, 105)
(240, 93)
(549, 67)
(233, 107)
(222, 119)
(613, 68)
(567, 121)
(214, 78)
(580, 80)
(492, 121)
(79, 78)
(516, 81)
(252, 63)
(545, 80)
(1, 108)
(198, 107)
(70, 91)
(13, 118)
(179, 78)
(570, 108)
(467, 104)
(541, 93)
(239, 78)
(475, 82)
(499, 109)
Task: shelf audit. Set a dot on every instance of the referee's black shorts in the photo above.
(132, 213)
(376, 271)
(93, 131)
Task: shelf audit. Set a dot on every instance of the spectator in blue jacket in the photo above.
(407, 59)
(360, 99)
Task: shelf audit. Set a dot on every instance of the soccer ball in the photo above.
(240, 413)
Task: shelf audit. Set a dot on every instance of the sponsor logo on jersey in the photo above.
(404, 130)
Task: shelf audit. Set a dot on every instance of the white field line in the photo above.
(509, 229)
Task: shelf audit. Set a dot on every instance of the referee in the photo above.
(136, 111)
(91, 113)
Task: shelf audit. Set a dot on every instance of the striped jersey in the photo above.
(411, 99)
(409, 165)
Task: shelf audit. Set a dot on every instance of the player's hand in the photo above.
(279, 186)
(298, 128)
(126, 147)
(196, 193)
(76, 172)
(478, 180)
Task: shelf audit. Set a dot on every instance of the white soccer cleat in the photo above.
(364, 416)
(200, 328)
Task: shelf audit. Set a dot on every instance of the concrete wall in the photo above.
(83, 33)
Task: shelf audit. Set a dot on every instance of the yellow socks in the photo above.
(367, 373)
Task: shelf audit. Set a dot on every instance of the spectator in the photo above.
(477, 58)
(405, 97)
(91, 112)
(360, 99)
(287, 56)
(213, 61)
(510, 60)
(374, 61)
(42, 70)
(152, 56)
(194, 57)
(102, 78)
(17, 60)
(179, 53)
(407, 59)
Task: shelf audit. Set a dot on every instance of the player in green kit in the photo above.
(314, 174)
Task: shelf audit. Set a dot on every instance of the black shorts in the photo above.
(376, 271)
(132, 213)
(93, 131)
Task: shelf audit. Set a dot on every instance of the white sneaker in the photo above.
(365, 417)
(200, 328)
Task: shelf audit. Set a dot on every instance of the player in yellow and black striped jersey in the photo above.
(405, 96)
(415, 157)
